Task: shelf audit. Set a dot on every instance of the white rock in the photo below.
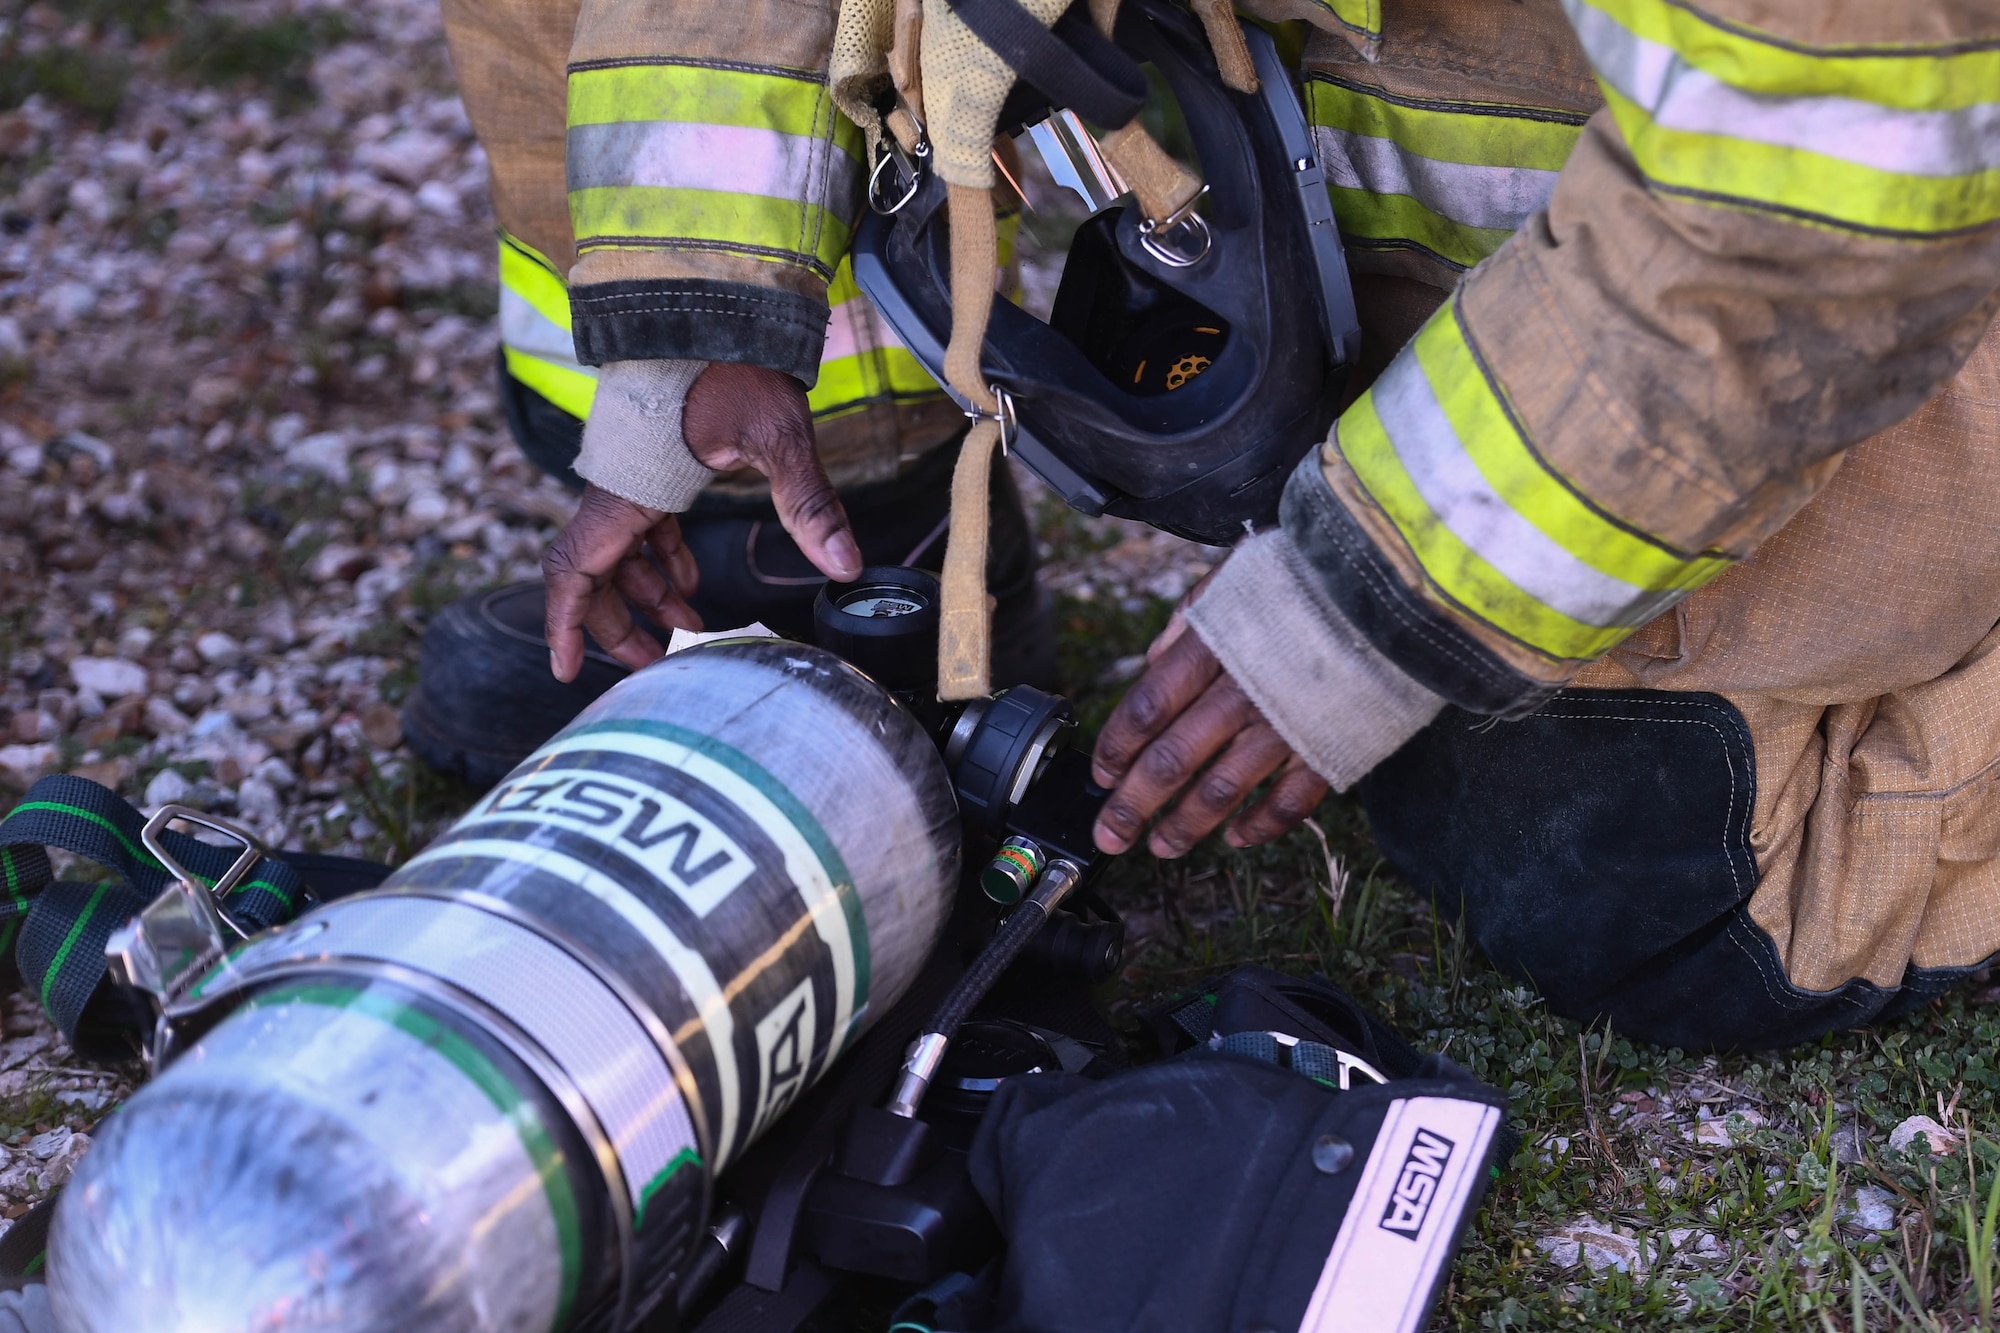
(438, 198)
(215, 722)
(135, 640)
(217, 648)
(1873, 1210)
(338, 561)
(25, 458)
(258, 800)
(1714, 1133)
(277, 624)
(13, 343)
(67, 302)
(287, 430)
(44, 1146)
(409, 158)
(164, 719)
(1941, 1140)
(278, 773)
(21, 765)
(1596, 1246)
(110, 677)
(168, 787)
(427, 507)
(325, 453)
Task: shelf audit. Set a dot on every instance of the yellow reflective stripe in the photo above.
(535, 329)
(1480, 133)
(868, 374)
(868, 379)
(789, 101)
(756, 225)
(746, 160)
(1362, 16)
(1392, 221)
(1914, 75)
(1454, 179)
(524, 271)
(1730, 170)
(1900, 140)
(571, 387)
(1497, 530)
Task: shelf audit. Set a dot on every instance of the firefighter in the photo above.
(1647, 589)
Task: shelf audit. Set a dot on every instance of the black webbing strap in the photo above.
(58, 929)
(1073, 64)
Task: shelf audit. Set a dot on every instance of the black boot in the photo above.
(485, 699)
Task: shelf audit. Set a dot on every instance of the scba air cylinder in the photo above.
(493, 1093)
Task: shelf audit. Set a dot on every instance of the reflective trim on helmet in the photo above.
(1497, 529)
(535, 329)
(864, 362)
(1900, 140)
(1452, 178)
(753, 161)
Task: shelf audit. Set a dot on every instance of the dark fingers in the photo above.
(1170, 761)
(1295, 794)
(1214, 796)
(1169, 684)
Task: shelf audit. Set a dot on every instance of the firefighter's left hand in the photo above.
(596, 563)
(1184, 712)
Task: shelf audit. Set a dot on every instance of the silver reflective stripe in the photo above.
(687, 966)
(1474, 196)
(1479, 516)
(730, 159)
(590, 1035)
(526, 329)
(1678, 96)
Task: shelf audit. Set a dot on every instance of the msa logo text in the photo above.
(1416, 1184)
(685, 850)
(784, 1053)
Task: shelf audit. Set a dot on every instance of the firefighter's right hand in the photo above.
(599, 561)
(751, 416)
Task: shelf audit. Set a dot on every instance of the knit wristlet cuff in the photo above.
(632, 441)
(1338, 702)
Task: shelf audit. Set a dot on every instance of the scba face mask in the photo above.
(1189, 362)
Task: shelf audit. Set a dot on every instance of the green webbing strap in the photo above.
(58, 930)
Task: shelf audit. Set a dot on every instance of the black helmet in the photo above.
(1186, 369)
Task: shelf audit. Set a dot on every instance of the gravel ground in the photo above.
(249, 433)
(249, 444)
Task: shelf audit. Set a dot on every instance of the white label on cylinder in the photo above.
(647, 801)
(675, 842)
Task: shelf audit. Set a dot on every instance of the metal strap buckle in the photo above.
(185, 931)
(1348, 1064)
(1182, 240)
(1004, 402)
(909, 164)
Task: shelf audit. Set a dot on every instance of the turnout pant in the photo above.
(1775, 810)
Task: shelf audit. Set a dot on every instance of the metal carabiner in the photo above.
(908, 162)
(1163, 240)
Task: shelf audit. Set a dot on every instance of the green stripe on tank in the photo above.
(685, 1157)
(788, 805)
(470, 1061)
